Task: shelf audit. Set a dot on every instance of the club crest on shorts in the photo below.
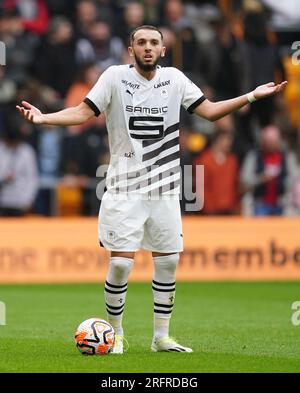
(111, 235)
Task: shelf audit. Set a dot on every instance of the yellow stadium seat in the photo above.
(292, 92)
(68, 201)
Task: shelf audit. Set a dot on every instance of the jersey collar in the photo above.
(142, 79)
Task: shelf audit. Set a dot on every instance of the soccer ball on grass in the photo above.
(95, 336)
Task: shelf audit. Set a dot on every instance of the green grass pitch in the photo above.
(232, 327)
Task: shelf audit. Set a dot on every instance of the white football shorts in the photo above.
(131, 224)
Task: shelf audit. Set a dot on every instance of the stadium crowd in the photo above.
(57, 49)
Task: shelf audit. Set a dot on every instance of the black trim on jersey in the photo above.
(92, 106)
(165, 146)
(168, 131)
(192, 107)
(169, 158)
(101, 244)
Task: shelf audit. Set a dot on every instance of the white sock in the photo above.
(163, 286)
(116, 289)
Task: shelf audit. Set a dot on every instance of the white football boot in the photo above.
(118, 348)
(167, 344)
(121, 345)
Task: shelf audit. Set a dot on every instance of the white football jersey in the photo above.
(142, 119)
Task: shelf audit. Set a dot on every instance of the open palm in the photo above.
(30, 112)
(269, 89)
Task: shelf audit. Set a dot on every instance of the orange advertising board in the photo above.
(39, 250)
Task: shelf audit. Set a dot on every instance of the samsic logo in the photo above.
(146, 110)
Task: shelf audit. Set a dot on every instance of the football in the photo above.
(95, 336)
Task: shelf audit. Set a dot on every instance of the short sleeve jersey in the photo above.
(142, 119)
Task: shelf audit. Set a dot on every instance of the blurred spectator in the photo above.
(293, 208)
(82, 152)
(40, 95)
(81, 156)
(221, 174)
(87, 77)
(292, 93)
(55, 65)
(133, 16)
(153, 10)
(90, 148)
(224, 68)
(7, 88)
(61, 7)
(268, 174)
(86, 14)
(18, 171)
(262, 64)
(92, 143)
(230, 7)
(47, 142)
(49, 155)
(107, 11)
(19, 47)
(33, 16)
(169, 43)
(184, 51)
(202, 17)
(285, 19)
(100, 47)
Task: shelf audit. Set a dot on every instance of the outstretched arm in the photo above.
(67, 117)
(215, 110)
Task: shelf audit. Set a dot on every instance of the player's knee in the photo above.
(121, 264)
(174, 260)
(168, 262)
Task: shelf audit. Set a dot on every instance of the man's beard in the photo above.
(146, 67)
